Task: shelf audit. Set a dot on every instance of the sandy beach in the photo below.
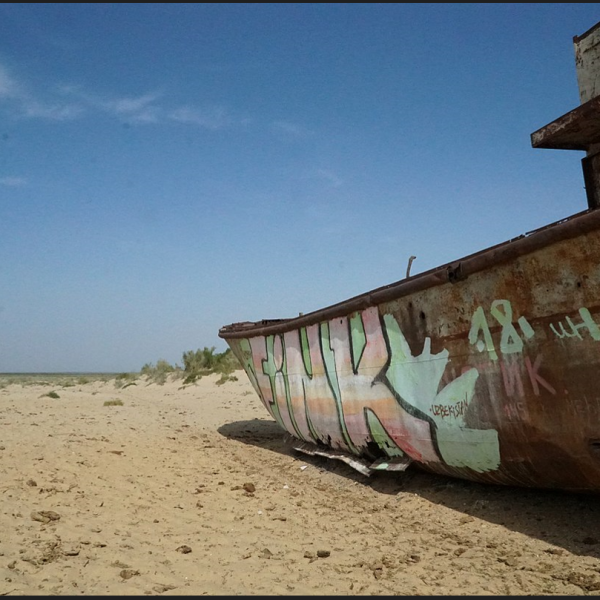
(195, 490)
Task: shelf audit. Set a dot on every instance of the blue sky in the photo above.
(167, 169)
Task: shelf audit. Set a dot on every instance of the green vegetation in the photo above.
(123, 380)
(204, 362)
(196, 364)
(159, 372)
(50, 395)
(115, 402)
(226, 377)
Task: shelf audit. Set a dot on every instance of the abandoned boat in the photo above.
(486, 368)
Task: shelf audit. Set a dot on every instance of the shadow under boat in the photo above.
(566, 519)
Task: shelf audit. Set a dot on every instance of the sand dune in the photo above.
(195, 491)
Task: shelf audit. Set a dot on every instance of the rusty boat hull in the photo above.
(486, 369)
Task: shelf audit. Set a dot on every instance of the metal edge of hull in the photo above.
(457, 270)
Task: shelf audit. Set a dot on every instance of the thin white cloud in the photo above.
(132, 106)
(23, 104)
(134, 110)
(13, 181)
(8, 86)
(54, 112)
(210, 118)
(150, 114)
(291, 129)
(137, 109)
(323, 178)
(71, 102)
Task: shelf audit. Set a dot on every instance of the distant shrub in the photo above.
(122, 380)
(50, 395)
(115, 402)
(158, 373)
(202, 362)
(196, 364)
(125, 376)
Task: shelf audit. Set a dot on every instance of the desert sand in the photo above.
(195, 490)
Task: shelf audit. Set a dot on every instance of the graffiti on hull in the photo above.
(356, 385)
(353, 384)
